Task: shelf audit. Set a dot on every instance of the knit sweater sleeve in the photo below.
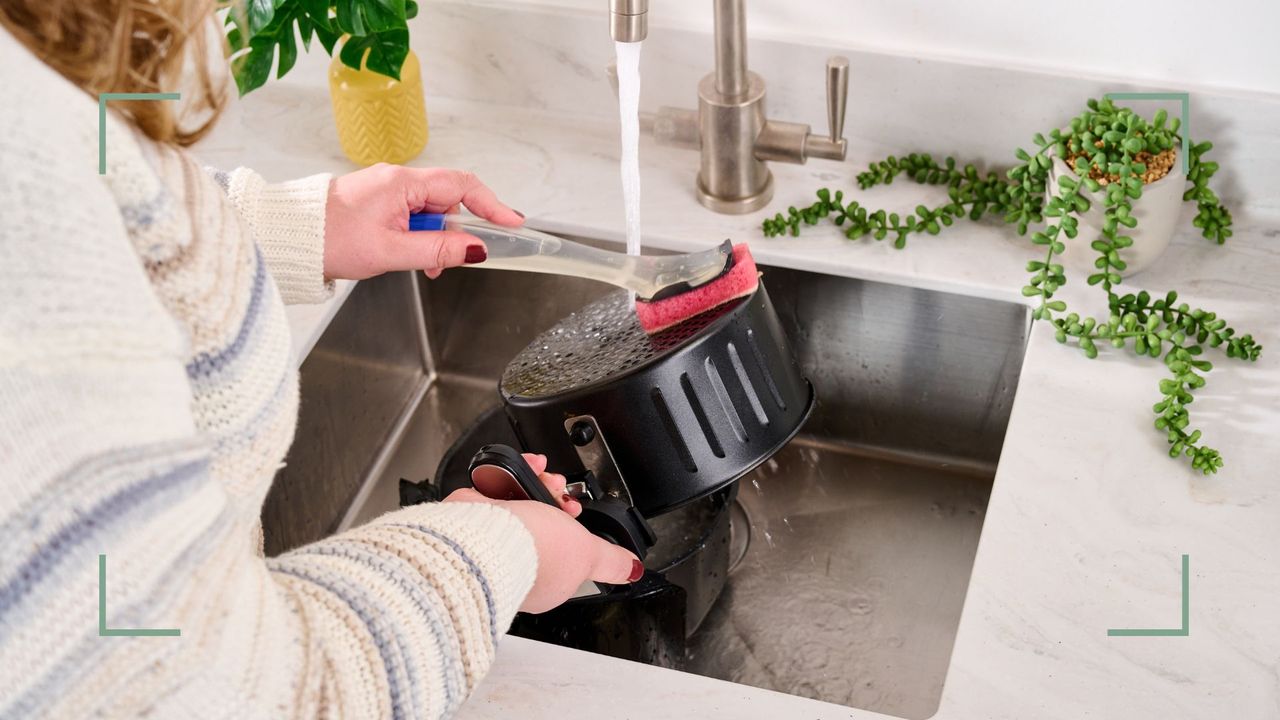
(287, 221)
(106, 481)
(113, 519)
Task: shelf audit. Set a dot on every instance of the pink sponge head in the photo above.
(740, 280)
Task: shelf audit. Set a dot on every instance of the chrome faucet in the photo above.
(729, 128)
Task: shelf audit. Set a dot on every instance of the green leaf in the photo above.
(350, 20)
(304, 30)
(288, 51)
(383, 53)
(328, 38)
(318, 11)
(259, 13)
(370, 17)
(252, 69)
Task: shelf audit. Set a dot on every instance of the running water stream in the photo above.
(629, 114)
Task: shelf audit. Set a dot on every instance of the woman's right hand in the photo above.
(568, 555)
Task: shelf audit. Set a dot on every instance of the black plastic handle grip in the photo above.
(501, 473)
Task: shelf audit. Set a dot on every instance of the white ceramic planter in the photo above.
(1157, 212)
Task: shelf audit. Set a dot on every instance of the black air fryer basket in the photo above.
(680, 414)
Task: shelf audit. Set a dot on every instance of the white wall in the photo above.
(1184, 43)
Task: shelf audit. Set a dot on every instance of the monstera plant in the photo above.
(377, 120)
(257, 29)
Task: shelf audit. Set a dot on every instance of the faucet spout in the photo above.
(734, 138)
(731, 47)
(628, 20)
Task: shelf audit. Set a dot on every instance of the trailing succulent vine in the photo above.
(1114, 153)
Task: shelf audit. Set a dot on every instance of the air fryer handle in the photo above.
(501, 473)
(620, 524)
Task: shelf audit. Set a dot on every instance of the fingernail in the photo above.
(476, 254)
(567, 498)
(637, 571)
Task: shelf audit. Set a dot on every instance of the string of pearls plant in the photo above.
(1112, 150)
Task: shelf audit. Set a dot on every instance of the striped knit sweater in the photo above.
(147, 398)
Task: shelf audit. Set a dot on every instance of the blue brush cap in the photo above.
(426, 221)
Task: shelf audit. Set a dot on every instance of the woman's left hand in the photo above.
(366, 226)
(568, 554)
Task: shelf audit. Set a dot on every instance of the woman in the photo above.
(147, 398)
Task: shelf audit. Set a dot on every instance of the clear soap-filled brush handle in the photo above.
(649, 277)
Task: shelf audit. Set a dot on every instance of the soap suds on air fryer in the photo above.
(740, 280)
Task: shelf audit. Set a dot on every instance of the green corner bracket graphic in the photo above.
(103, 98)
(104, 631)
(1184, 130)
(1183, 631)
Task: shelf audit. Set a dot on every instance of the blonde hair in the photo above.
(130, 46)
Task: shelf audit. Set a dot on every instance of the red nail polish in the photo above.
(475, 254)
(637, 571)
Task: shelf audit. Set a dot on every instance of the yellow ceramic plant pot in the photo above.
(379, 119)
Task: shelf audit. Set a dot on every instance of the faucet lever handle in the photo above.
(837, 94)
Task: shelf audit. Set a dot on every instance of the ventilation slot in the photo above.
(747, 387)
(764, 370)
(701, 414)
(664, 414)
(726, 403)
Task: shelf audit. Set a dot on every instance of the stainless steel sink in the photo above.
(861, 533)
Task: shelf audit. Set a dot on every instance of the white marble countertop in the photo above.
(1088, 517)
